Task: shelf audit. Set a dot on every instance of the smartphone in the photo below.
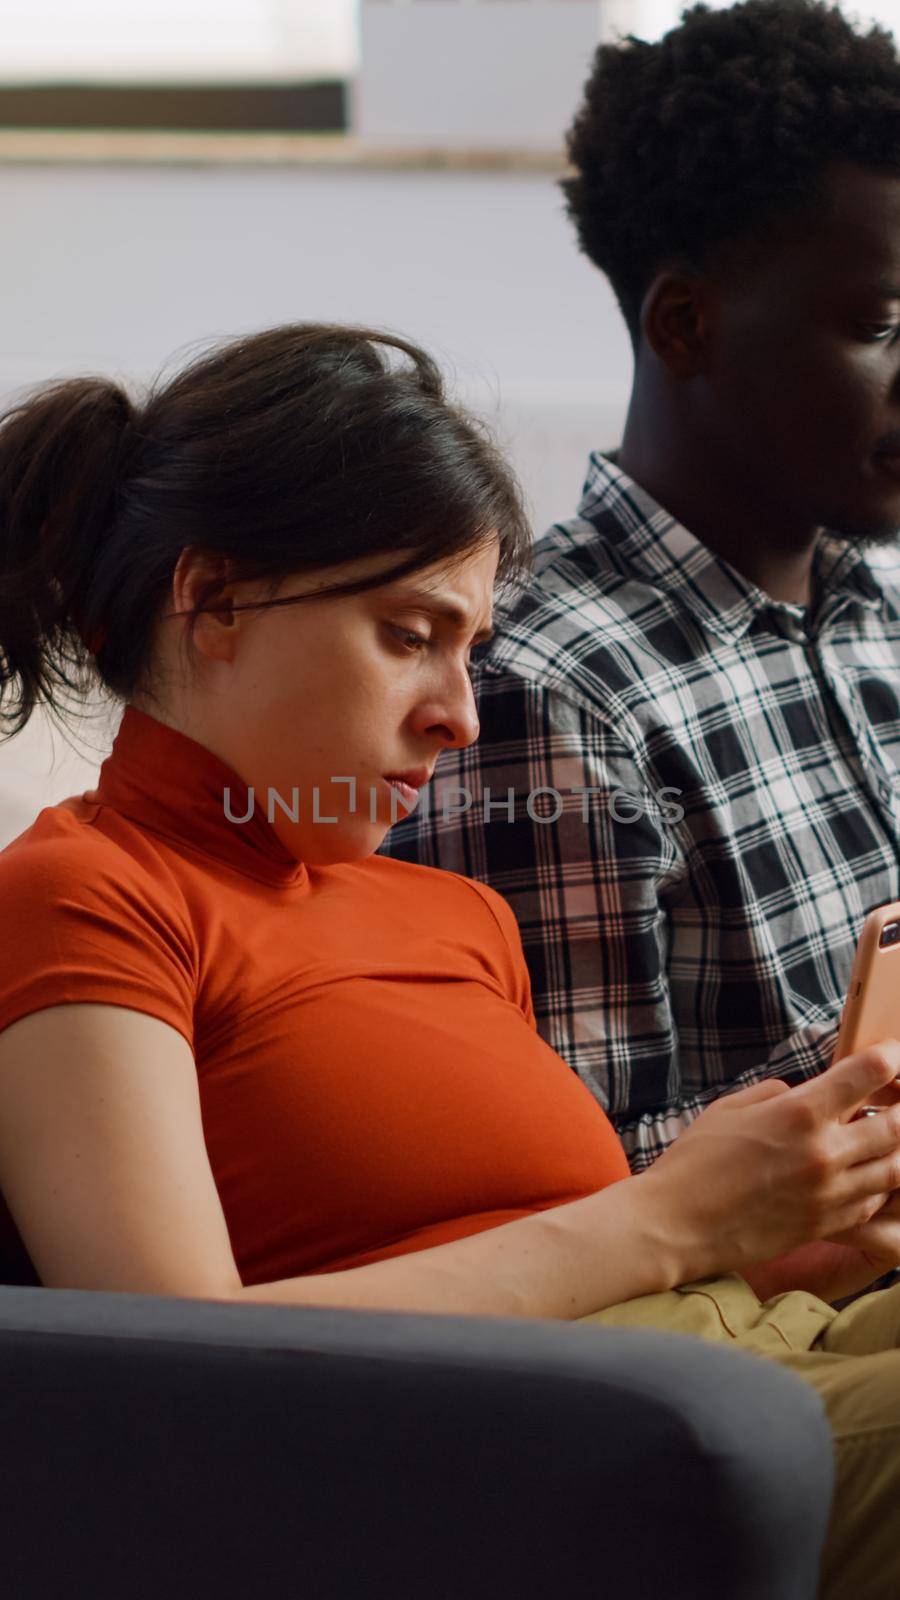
(872, 1008)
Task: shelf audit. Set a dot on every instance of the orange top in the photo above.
(371, 1080)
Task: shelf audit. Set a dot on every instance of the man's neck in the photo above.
(778, 559)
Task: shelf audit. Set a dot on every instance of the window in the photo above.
(193, 63)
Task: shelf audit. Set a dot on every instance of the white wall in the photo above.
(447, 73)
(118, 270)
(193, 41)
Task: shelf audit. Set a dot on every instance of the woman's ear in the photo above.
(202, 575)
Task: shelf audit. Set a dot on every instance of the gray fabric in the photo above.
(160, 1447)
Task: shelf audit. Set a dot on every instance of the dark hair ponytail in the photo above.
(298, 448)
(61, 458)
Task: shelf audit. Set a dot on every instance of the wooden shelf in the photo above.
(54, 146)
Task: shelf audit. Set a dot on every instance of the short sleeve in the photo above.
(81, 921)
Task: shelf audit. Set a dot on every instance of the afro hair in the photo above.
(721, 132)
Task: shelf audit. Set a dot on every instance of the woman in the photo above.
(241, 1056)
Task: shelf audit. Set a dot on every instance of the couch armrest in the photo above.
(161, 1447)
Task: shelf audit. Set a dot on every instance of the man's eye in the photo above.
(882, 332)
(407, 637)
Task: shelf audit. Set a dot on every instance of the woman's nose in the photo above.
(451, 716)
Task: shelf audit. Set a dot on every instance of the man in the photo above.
(696, 702)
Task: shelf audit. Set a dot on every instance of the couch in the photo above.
(156, 1448)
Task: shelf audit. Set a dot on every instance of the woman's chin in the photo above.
(344, 845)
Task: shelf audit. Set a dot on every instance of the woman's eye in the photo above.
(409, 638)
(883, 332)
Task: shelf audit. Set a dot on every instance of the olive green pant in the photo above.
(852, 1358)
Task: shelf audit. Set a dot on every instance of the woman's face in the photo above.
(329, 701)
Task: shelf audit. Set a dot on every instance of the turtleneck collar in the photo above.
(175, 787)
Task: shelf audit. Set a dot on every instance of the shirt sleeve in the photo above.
(80, 926)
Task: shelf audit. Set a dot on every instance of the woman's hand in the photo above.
(877, 1241)
(770, 1168)
(825, 1268)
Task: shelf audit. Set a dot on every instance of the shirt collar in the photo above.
(725, 602)
(175, 787)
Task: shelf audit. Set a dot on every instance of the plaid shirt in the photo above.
(689, 923)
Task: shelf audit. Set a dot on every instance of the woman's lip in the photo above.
(407, 792)
(413, 777)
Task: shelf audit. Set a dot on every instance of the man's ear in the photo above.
(676, 317)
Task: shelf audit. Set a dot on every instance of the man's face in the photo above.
(804, 393)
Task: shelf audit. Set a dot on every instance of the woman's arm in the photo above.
(759, 1172)
(104, 1167)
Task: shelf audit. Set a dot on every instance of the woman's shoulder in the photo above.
(61, 839)
(92, 923)
(78, 850)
